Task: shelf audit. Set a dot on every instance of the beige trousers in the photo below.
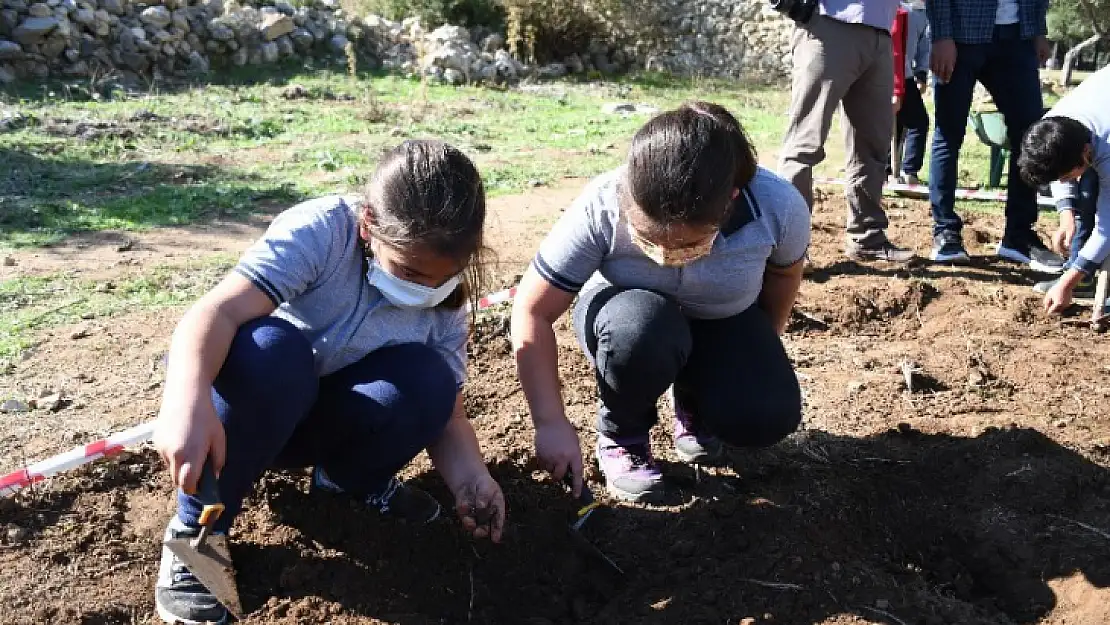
(850, 66)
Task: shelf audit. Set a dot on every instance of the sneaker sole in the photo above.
(654, 495)
(867, 258)
(170, 619)
(961, 258)
(1021, 259)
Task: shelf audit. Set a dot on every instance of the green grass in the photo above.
(29, 304)
(187, 153)
(234, 147)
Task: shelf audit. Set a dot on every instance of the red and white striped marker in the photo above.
(84, 454)
(922, 191)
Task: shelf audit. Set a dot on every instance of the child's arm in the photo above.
(188, 430)
(458, 458)
(537, 306)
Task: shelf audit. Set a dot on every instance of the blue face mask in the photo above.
(405, 294)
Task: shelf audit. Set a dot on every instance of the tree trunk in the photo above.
(1069, 58)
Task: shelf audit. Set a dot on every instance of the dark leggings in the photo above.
(361, 424)
(732, 374)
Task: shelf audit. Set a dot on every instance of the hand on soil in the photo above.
(1058, 298)
(185, 436)
(481, 508)
(559, 452)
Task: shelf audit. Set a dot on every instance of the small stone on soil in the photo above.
(1061, 423)
(81, 332)
(16, 534)
(9, 261)
(13, 405)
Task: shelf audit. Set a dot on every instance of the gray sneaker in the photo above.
(884, 250)
(692, 444)
(629, 469)
(1084, 290)
(179, 597)
(395, 499)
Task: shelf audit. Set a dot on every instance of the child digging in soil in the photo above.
(1064, 148)
(339, 342)
(687, 261)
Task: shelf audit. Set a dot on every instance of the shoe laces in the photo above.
(383, 499)
(637, 455)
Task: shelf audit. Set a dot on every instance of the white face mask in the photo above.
(405, 294)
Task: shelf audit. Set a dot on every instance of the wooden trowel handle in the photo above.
(208, 493)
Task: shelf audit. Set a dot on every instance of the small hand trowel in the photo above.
(587, 505)
(207, 556)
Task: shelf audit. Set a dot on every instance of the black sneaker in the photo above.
(882, 251)
(179, 597)
(395, 500)
(1084, 290)
(1034, 254)
(948, 247)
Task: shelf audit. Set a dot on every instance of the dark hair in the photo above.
(1051, 148)
(684, 164)
(430, 193)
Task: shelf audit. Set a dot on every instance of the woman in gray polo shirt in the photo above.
(686, 260)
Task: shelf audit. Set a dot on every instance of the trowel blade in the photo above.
(210, 562)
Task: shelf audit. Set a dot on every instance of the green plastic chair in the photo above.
(990, 127)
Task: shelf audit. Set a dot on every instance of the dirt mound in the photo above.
(978, 494)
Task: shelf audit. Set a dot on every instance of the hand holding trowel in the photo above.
(207, 556)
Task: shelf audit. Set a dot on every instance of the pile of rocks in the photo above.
(39, 38)
(457, 55)
(720, 38)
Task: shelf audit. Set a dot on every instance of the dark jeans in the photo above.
(732, 374)
(1085, 206)
(361, 424)
(1007, 67)
(913, 125)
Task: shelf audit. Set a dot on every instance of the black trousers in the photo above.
(732, 374)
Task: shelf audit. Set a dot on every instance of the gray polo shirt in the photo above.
(310, 263)
(590, 246)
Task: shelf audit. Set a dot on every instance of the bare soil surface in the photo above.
(978, 494)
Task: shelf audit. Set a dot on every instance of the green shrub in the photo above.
(434, 13)
(550, 30)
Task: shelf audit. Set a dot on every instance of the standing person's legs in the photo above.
(264, 390)
(1012, 77)
(952, 102)
(869, 118)
(915, 118)
(637, 341)
(739, 383)
(825, 64)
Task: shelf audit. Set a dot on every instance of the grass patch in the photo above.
(183, 153)
(30, 304)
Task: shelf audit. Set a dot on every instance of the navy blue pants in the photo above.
(913, 124)
(1085, 206)
(732, 374)
(1007, 67)
(361, 424)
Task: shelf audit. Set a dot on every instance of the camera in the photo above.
(798, 10)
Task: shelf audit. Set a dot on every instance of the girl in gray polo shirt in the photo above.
(339, 342)
(686, 262)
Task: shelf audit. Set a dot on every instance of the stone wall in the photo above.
(82, 38)
(723, 38)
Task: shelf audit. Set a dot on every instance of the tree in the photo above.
(1079, 23)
